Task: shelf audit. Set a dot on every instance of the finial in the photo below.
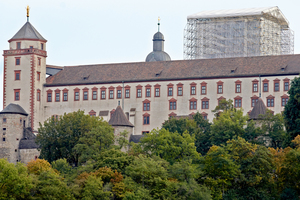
(158, 24)
(27, 13)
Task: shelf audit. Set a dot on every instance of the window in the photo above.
(193, 104)
(205, 103)
(203, 88)
(238, 102)
(38, 95)
(92, 113)
(270, 101)
(111, 94)
(139, 93)
(172, 105)
(170, 89)
(193, 88)
(38, 75)
(57, 95)
(255, 87)
(42, 46)
(265, 85)
(179, 91)
(3, 139)
(286, 83)
(95, 95)
(284, 100)
(204, 115)
(39, 61)
(65, 94)
(145, 132)
(220, 99)
(85, 95)
(157, 90)
(238, 86)
(17, 75)
(146, 119)
(4, 120)
(220, 87)
(172, 114)
(31, 47)
(49, 95)
(18, 60)
(102, 94)
(119, 94)
(18, 45)
(76, 94)
(276, 87)
(127, 93)
(146, 107)
(254, 99)
(148, 92)
(17, 94)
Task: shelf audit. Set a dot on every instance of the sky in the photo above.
(81, 32)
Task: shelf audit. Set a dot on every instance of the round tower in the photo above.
(158, 53)
(25, 71)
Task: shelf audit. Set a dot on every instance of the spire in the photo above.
(158, 24)
(27, 13)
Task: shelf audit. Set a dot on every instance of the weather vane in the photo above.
(27, 13)
(158, 23)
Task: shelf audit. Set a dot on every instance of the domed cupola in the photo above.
(158, 53)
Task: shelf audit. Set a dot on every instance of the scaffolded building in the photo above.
(237, 33)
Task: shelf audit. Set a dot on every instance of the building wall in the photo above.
(159, 106)
(26, 155)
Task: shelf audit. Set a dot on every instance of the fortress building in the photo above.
(145, 94)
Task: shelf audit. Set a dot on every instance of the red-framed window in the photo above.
(255, 85)
(254, 100)
(17, 94)
(170, 89)
(276, 85)
(38, 95)
(220, 87)
(284, 100)
(57, 95)
(92, 113)
(65, 94)
(39, 61)
(49, 95)
(172, 104)
(18, 60)
(179, 89)
(111, 91)
(17, 75)
(193, 104)
(146, 119)
(85, 94)
(286, 84)
(238, 102)
(31, 47)
(204, 115)
(38, 76)
(139, 91)
(76, 94)
(203, 88)
(148, 90)
(18, 45)
(219, 99)
(157, 90)
(205, 103)
(270, 101)
(103, 93)
(265, 85)
(193, 88)
(238, 86)
(94, 93)
(172, 114)
(146, 105)
(127, 91)
(119, 92)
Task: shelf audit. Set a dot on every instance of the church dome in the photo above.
(158, 56)
(158, 36)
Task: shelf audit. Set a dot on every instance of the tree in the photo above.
(202, 135)
(38, 166)
(15, 183)
(122, 140)
(57, 138)
(180, 125)
(223, 105)
(292, 111)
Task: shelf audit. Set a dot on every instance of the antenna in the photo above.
(158, 24)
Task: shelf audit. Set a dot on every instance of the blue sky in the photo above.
(95, 31)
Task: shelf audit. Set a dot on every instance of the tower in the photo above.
(158, 53)
(25, 71)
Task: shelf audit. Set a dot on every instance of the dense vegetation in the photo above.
(188, 158)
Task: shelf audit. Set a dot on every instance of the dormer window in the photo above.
(18, 45)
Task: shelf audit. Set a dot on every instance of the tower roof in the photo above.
(28, 32)
(118, 118)
(258, 109)
(14, 109)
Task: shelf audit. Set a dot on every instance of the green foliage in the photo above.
(62, 166)
(180, 125)
(14, 181)
(223, 105)
(57, 138)
(93, 189)
(292, 111)
(122, 140)
(169, 146)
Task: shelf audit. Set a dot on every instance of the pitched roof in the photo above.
(118, 118)
(177, 70)
(28, 140)
(28, 32)
(259, 109)
(14, 109)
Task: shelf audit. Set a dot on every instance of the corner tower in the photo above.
(25, 71)
(158, 53)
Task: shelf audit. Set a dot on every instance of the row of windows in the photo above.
(18, 46)
(18, 75)
(18, 61)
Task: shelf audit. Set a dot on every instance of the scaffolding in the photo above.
(237, 33)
